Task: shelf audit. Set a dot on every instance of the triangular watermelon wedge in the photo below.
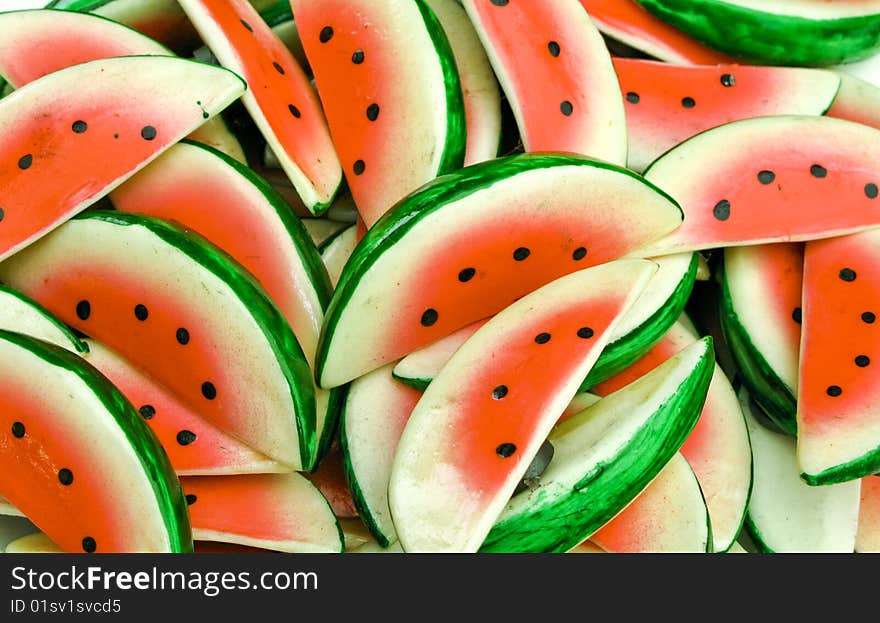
(280, 98)
(666, 104)
(557, 74)
(468, 244)
(392, 135)
(472, 434)
(838, 424)
(790, 178)
(250, 221)
(186, 314)
(35, 43)
(117, 115)
(119, 495)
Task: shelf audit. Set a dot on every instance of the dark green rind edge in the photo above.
(163, 479)
(626, 350)
(326, 242)
(291, 360)
(867, 464)
(766, 38)
(755, 535)
(360, 500)
(78, 345)
(393, 226)
(311, 262)
(78, 5)
(277, 13)
(765, 387)
(455, 141)
(420, 384)
(555, 526)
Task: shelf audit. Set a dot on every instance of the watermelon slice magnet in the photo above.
(392, 135)
(557, 74)
(838, 424)
(788, 179)
(120, 495)
(187, 315)
(478, 426)
(280, 98)
(118, 114)
(466, 245)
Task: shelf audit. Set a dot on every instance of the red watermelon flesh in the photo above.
(629, 22)
(117, 115)
(556, 71)
(718, 447)
(666, 104)
(790, 178)
(282, 512)
(35, 43)
(194, 445)
(868, 535)
(479, 424)
(837, 421)
(280, 97)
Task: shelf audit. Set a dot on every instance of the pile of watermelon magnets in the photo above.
(477, 276)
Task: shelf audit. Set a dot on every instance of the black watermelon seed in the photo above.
(147, 412)
(818, 170)
(191, 499)
(688, 102)
(358, 57)
(871, 191)
(721, 211)
(429, 317)
(83, 310)
(505, 450)
(834, 391)
(554, 48)
(25, 161)
(79, 127)
(766, 177)
(499, 392)
(208, 390)
(326, 34)
(186, 437)
(521, 253)
(1, 214)
(863, 361)
(467, 274)
(542, 338)
(728, 80)
(579, 254)
(182, 336)
(246, 25)
(633, 98)
(500, 2)
(17, 430)
(848, 274)
(868, 317)
(148, 133)
(278, 68)
(89, 545)
(294, 111)
(141, 312)
(359, 167)
(567, 108)
(585, 333)
(373, 112)
(797, 315)
(65, 476)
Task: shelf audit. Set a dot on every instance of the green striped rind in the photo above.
(360, 500)
(433, 196)
(415, 383)
(555, 522)
(756, 537)
(456, 132)
(626, 350)
(865, 465)
(291, 360)
(769, 391)
(78, 345)
(78, 5)
(163, 479)
(770, 39)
